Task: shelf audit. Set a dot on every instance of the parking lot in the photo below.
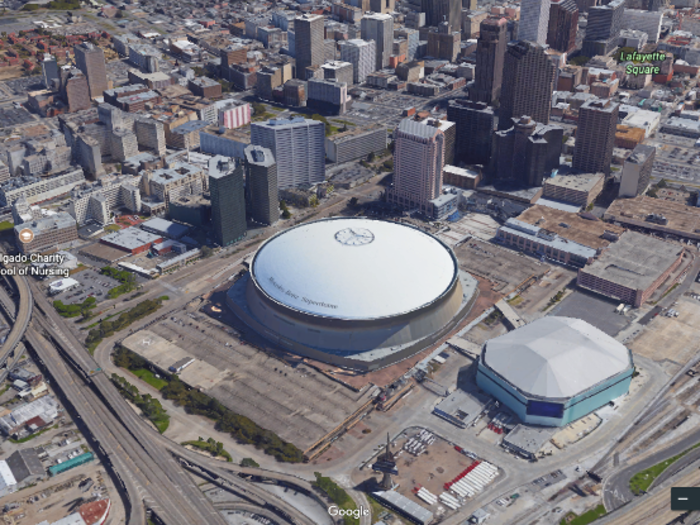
(671, 338)
(594, 309)
(12, 116)
(20, 86)
(92, 283)
(291, 399)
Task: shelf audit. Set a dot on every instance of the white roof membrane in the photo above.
(354, 268)
(556, 357)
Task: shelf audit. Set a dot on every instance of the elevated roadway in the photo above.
(20, 318)
(156, 446)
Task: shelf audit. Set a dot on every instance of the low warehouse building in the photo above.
(132, 240)
(631, 269)
(554, 370)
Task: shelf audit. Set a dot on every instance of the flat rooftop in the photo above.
(584, 182)
(167, 228)
(529, 439)
(570, 226)
(102, 252)
(681, 218)
(58, 221)
(130, 238)
(635, 261)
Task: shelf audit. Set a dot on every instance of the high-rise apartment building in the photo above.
(534, 21)
(309, 47)
(419, 156)
(261, 185)
(380, 29)
(563, 24)
(362, 55)
(298, 147)
(603, 29)
(475, 123)
(227, 193)
(595, 136)
(528, 83)
(636, 172)
(90, 59)
(490, 54)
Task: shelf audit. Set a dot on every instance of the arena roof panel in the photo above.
(354, 268)
(556, 357)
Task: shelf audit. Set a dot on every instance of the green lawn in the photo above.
(643, 480)
(161, 423)
(150, 378)
(6, 225)
(586, 517)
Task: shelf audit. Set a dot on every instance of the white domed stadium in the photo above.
(355, 292)
(555, 370)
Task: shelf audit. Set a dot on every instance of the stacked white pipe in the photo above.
(483, 474)
(427, 496)
(449, 500)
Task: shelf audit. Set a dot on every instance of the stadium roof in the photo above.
(556, 357)
(354, 268)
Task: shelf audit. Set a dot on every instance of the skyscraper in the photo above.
(438, 10)
(309, 43)
(603, 29)
(298, 146)
(490, 53)
(419, 155)
(534, 20)
(379, 28)
(595, 136)
(475, 124)
(528, 82)
(261, 185)
(563, 24)
(527, 152)
(362, 55)
(90, 59)
(227, 199)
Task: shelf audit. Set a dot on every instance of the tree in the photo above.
(579, 60)
(259, 109)
(249, 462)
(662, 184)
(286, 214)
(370, 157)
(353, 202)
